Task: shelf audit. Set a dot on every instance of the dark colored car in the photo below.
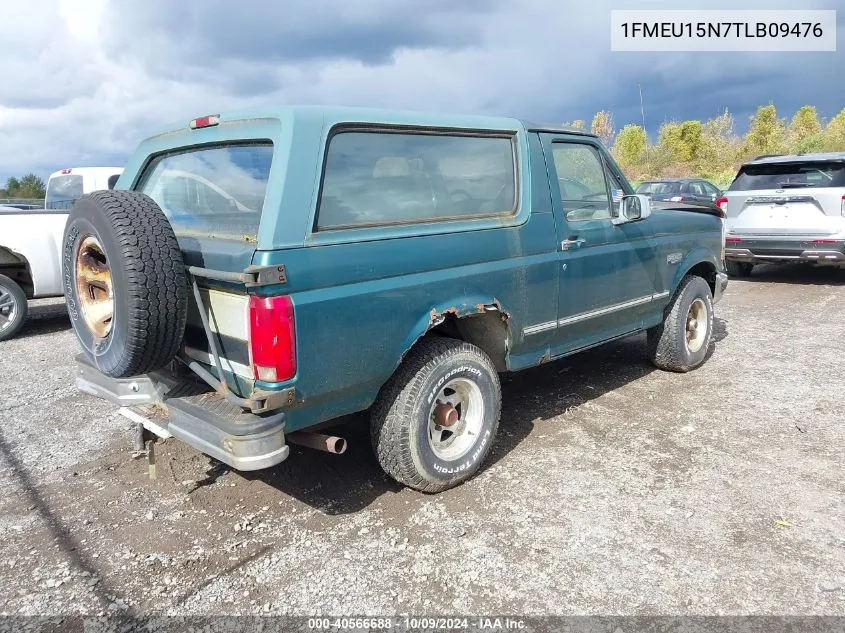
(680, 190)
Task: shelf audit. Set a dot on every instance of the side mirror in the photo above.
(632, 208)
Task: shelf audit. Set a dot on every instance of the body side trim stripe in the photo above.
(583, 316)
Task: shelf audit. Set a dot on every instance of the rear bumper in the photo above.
(202, 419)
(757, 251)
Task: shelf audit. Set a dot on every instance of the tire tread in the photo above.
(395, 404)
(664, 349)
(156, 280)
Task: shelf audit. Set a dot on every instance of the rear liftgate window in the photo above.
(786, 176)
(213, 191)
(382, 177)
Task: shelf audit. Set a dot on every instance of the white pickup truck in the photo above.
(30, 242)
(30, 262)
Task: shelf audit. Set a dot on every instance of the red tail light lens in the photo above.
(732, 240)
(722, 203)
(272, 338)
(843, 206)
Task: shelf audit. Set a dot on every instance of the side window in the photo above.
(709, 189)
(698, 189)
(581, 178)
(380, 177)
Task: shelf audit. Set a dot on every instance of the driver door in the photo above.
(607, 271)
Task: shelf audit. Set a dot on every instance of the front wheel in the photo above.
(435, 420)
(13, 308)
(681, 342)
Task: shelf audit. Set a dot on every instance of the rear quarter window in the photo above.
(63, 191)
(380, 177)
(215, 191)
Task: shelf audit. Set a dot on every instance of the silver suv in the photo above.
(786, 209)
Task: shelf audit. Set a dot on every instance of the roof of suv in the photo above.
(390, 116)
(797, 158)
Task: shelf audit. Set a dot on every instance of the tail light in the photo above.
(722, 203)
(843, 206)
(272, 338)
(205, 121)
(733, 240)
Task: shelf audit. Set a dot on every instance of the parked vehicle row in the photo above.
(260, 274)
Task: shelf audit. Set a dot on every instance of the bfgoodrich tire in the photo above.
(435, 420)
(13, 308)
(125, 282)
(681, 342)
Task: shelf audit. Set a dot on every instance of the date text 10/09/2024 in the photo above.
(722, 29)
(407, 623)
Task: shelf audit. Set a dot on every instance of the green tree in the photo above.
(804, 124)
(835, 132)
(31, 186)
(766, 133)
(603, 126)
(681, 141)
(719, 147)
(630, 146)
(12, 186)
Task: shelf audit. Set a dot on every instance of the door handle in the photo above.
(571, 243)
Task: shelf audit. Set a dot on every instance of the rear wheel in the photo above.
(13, 308)
(435, 420)
(738, 269)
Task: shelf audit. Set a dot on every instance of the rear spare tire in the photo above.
(125, 282)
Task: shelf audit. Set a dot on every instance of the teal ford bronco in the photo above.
(254, 276)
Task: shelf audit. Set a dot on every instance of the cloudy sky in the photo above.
(83, 81)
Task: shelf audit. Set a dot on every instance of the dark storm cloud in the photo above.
(156, 61)
(199, 32)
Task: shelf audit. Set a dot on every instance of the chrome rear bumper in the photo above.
(201, 418)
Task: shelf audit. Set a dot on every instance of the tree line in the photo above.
(711, 149)
(28, 186)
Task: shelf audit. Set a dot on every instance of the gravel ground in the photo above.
(613, 488)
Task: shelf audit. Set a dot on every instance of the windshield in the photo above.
(63, 191)
(217, 191)
(659, 188)
(789, 176)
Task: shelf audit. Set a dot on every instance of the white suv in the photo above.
(786, 208)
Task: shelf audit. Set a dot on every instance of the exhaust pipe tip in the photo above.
(318, 441)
